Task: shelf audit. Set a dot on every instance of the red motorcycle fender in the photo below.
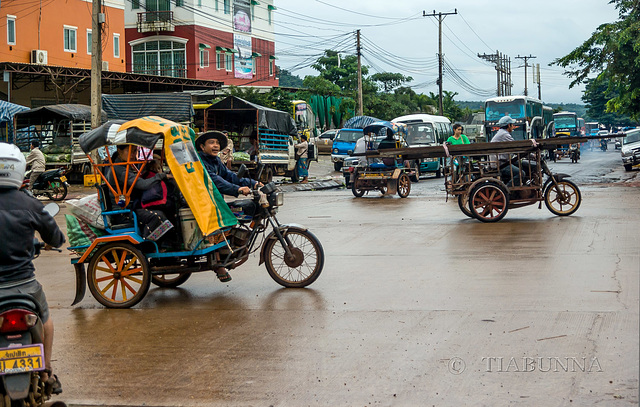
(81, 282)
(272, 236)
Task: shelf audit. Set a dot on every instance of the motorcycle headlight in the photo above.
(335, 151)
(276, 199)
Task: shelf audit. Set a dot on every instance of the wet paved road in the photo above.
(417, 305)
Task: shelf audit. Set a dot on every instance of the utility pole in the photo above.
(359, 53)
(525, 71)
(98, 18)
(503, 72)
(441, 17)
(536, 77)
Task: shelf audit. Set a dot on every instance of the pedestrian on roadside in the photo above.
(302, 159)
(458, 137)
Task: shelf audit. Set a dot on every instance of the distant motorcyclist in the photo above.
(20, 216)
(36, 160)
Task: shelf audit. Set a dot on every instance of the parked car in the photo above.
(343, 145)
(630, 150)
(324, 142)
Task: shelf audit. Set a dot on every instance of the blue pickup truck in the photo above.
(343, 145)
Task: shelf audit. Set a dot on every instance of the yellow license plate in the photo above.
(21, 359)
(63, 179)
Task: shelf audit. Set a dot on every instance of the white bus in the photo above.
(427, 130)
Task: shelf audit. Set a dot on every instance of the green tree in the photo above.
(344, 74)
(287, 80)
(613, 54)
(390, 80)
(596, 95)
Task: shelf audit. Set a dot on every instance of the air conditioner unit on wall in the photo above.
(105, 65)
(38, 56)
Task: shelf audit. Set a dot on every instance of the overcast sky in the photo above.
(397, 38)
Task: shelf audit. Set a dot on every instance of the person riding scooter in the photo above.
(37, 162)
(20, 216)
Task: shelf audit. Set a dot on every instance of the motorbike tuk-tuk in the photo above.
(387, 175)
(121, 264)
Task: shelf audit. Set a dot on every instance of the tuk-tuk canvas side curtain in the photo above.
(207, 204)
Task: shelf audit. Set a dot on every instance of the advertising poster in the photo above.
(243, 62)
(242, 16)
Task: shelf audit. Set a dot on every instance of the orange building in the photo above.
(58, 32)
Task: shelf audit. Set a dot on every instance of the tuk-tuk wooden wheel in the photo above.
(170, 280)
(118, 275)
(565, 202)
(463, 204)
(357, 192)
(404, 185)
(488, 201)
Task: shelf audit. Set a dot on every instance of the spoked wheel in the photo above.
(170, 280)
(463, 204)
(357, 192)
(118, 275)
(404, 185)
(488, 202)
(302, 267)
(564, 200)
(57, 191)
(416, 170)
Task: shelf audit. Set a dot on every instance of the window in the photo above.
(219, 60)
(271, 63)
(254, 3)
(135, 4)
(179, 3)
(70, 44)
(270, 9)
(228, 62)
(217, 7)
(227, 7)
(89, 41)
(11, 30)
(204, 58)
(160, 57)
(116, 45)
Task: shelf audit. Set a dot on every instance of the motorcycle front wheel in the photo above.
(564, 200)
(57, 191)
(302, 267)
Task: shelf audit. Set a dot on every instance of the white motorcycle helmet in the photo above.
(12, 166)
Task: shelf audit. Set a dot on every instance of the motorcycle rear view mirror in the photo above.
(52, 208)
(242, 170)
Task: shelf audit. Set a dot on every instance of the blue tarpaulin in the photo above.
(359, 122)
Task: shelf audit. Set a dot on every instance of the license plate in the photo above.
(63, 179)
(21, 359)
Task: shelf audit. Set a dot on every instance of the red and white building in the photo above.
(231, 41)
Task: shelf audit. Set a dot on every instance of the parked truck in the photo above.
(259, 134)
(57, 128)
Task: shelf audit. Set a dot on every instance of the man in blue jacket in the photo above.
(209, 144)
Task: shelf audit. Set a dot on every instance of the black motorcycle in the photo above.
(52, 184)
(21, 347)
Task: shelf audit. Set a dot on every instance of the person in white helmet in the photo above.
(507, 169)
(21, 215)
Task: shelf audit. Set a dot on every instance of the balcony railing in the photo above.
(155, 21)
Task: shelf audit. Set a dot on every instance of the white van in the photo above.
(427, 130)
